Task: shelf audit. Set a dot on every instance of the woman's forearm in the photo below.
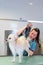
(30, 53)
(21, 30)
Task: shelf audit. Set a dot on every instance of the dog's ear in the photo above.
(7, 40)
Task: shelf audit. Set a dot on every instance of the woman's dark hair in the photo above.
(38, 34)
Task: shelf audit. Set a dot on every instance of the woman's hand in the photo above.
(30, 53)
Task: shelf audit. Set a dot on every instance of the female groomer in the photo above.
(33, 38)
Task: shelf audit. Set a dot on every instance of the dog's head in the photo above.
(10, 38)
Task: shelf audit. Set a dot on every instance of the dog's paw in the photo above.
(13, 61)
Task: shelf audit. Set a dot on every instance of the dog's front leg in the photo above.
(13, 59)
(20, 58)
(14, 56)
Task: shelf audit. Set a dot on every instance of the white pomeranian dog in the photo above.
(18, 45)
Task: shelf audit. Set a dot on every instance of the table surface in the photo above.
(33, 60)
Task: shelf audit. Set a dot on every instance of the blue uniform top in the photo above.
(32, 47)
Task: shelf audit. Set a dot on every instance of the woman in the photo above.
(33, 41)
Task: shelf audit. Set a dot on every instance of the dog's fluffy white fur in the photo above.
(18, 45)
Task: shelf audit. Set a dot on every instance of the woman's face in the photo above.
(33, 34)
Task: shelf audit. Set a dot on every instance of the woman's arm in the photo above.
(27, 26)
(30, 53)
(21, 30)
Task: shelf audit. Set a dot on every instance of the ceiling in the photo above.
(26, 9)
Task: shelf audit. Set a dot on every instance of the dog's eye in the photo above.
(9, 38)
